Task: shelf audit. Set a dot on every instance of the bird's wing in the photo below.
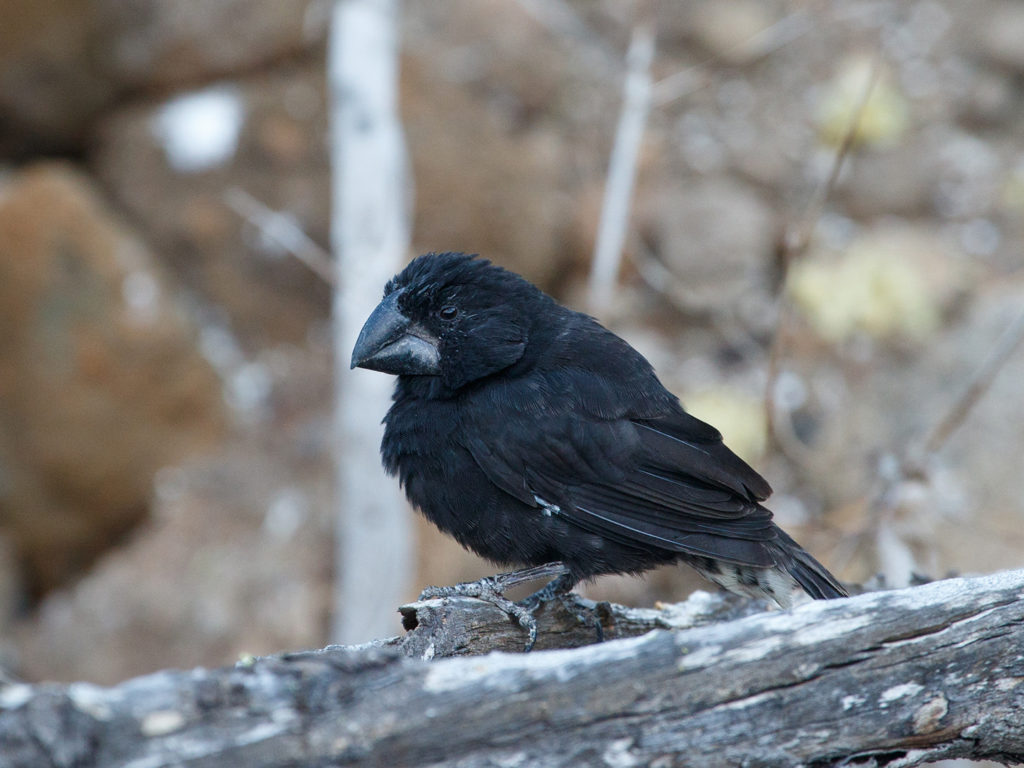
(665, 481)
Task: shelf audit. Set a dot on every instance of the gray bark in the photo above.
(887, 678)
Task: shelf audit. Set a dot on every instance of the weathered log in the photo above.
(887, 678)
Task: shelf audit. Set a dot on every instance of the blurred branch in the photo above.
(370, 239)
(282, 230)
(795, 242)
(979, 384)
(888, 678)
(618, 191)
(913, 465)
(561, 19)
(673, 290)
(763, 43)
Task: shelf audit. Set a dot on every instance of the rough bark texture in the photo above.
(887, 678)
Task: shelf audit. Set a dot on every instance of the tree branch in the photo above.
(622, 166)
(370, 230)
(887, 678)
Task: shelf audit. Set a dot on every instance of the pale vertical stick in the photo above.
(370, 239)
(618, 191)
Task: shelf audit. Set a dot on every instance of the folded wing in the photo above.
(666, 481)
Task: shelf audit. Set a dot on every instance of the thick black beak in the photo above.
(391, 343)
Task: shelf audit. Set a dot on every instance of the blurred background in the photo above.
(166, 363)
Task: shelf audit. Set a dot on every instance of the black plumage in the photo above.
(532, 434)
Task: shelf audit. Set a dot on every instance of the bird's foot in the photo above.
(560, 589)
(492, 588)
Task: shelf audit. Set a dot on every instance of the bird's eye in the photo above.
(447, 313)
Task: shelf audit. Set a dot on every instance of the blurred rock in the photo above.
(480, 186)
(977, 524)
(49, 86)
(169, 43)
(171, 165)
(504, 201)
(730, 30)
(989, 102)
(63, 61)
(716, 236)
(738, 415)
(995, 33)
(235, 561)
(890, 181)
(527, 73)
(100, 384)
(506, 130)
(884, 117)
(893, 281)
(12, 591)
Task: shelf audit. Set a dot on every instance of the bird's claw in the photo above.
(489, 590)
(482, 589)
(560, 589)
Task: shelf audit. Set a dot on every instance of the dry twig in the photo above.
(794, 245)
(979, 384)
(912, 466)
(618, 191)
(283, 231)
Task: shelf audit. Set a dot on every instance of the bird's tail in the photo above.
(791, 566)
(812, 577)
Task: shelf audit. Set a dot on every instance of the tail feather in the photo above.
(812, 576)
(793, 567)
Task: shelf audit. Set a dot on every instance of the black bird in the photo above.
(537, 437)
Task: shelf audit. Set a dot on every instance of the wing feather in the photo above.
(666, 482)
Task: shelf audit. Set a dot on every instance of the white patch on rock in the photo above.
(755, 650)
(200, 130)
(849, 702)
(161, 722)
(830, 629)
(14, 696)
(617, 754)
(507, 671)
(899, 692)
(258, 733)
(286, 513)
(91, 699)
(700, 657)
(748, 701)
(514, 760)
(141, 294)
(1008, 683)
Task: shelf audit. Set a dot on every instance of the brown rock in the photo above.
(715, 235)
(48, 85)
(480, 185)
(995, 33)
(100, 384)
(63, 61)
(235, 560)
(507, 130)
(730, 30)
(169, 43)
(172, 164)
(891, 181)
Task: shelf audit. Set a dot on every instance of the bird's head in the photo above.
(449, 315)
